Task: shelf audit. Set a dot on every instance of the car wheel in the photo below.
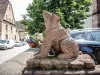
(98, 57)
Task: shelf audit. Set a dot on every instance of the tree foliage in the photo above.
(71, 13)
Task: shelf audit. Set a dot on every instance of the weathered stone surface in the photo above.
(83, 61)
(60, 64)
(96, 71)
(30, 63)
(84, 56)
(88, 61)
(36, 63)
(46, 64)
(80, 53)
(58, 38)
(33, 63)
(76, 65)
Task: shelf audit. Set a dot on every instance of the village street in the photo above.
(10, 53)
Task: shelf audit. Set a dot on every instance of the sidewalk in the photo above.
(6, 55)
(15, 65)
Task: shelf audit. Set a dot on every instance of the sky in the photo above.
(19, 8)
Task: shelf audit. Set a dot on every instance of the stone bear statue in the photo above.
(58, 38)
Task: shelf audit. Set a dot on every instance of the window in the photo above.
(6, 27)
(11, 28)
(8, 42)
(20, 39)
(15, 37)
(6, 36)
(16, 30)
(96, 35)
(89, 37)
(78, 36)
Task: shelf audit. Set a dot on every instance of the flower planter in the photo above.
(33, 45)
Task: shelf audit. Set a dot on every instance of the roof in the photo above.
(19, 26)
(3, 7)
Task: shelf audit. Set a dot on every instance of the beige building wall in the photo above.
(9, 15)
(0, 28)
(8, 26)
(17, 36)
(3, 32)
(22, 35)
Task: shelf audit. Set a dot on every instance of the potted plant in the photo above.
(33, 43)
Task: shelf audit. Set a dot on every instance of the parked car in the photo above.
(5, 44)
(88, 41)
(17, 44)
(23, 43)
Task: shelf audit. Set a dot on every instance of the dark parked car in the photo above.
(88, 41)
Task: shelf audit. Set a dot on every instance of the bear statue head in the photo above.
(51, 21)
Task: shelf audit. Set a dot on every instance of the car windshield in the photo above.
(3, 41)
(77, 35)
(96, 35)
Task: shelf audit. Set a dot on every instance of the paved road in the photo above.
(10, 53)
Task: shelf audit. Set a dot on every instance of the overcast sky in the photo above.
(19, 7)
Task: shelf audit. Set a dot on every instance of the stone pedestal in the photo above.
(83, 61)
(95, 71)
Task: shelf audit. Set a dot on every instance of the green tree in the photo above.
(71, 13)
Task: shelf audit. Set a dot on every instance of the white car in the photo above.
(5, 44)
(18, 44)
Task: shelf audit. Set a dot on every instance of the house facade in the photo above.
(9, 28)
(21, 31)
(7, 21)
